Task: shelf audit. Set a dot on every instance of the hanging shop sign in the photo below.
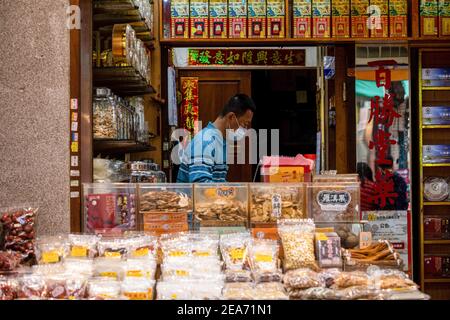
(246, 57)
(189, 104)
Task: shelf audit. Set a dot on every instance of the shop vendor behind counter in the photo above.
(204, 159)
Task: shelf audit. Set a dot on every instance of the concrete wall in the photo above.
(34, 109)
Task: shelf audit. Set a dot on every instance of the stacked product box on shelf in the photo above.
(444, 18)
(179, 18)
(436, 77)
(302, 18)
(218, 18)
(359, 18)
(341, 18)
(237, 21)
(398, 16)
(321, 11)
(436, 115)
(379, 23)
(257, 18)
(436, 227)
(429, 17)
(434, 154)
(199, 18)
(276, 19)
(437, 265)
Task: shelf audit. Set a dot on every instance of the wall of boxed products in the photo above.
(214, 241)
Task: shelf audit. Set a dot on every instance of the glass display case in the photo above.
(221, 204)
(270, 202)
(109, 208)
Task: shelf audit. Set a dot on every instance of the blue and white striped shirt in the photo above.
(204, 159)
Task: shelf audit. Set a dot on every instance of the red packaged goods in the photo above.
(256, 18)
(359, 18)
(398, 18)
(19, 230)
(321, 18)
(276, 15)
(9, 260)
(432, 227)
(429, 16)
(179, 18)
(302, 18)
(433, 266)
(237, 18)
(379, 23)
(218, 18)
(341, 18)
(199, 18)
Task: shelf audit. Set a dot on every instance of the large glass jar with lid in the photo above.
(161, 175)
(105, 118)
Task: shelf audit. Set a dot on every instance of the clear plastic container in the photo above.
(270, 202)
(109, 208)
(334, 202)
(221, 204)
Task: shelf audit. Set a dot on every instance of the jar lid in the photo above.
(436, 189)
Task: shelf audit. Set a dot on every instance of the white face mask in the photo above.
(239, 133)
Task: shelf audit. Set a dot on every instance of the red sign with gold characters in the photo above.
(246, 57)
(189, 104)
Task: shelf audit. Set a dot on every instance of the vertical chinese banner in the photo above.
(189, 104)
(383, 154)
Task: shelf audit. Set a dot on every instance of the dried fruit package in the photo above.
(137, 289)
(83, 246)
(113, 248)
(31, 287)
(51, 249)
(234, 249)
(103, 289)
(9, 260)
(109, 268)
(297, 238)
(8, 289)
(263, 260)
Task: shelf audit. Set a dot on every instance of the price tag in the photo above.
(237, 254)
(78, 251)
(276, 205)
(365, 239)
(263, 257)
(135, 273)
(141, 252)
(50, 257)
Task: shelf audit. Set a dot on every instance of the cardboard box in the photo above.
(341, 18)
(433, 266)
(436, 77)
(321, 10)
(284, 174)
(444, 17)
(218, 18)
(270, 233)
(175, 217)
(158, 223)
(276, 19)
(328, 249)
(380, 29)
(199, 18)
(398, 18)
(439, 153)
(257, 18)
(436, 115)
(302, 18)
(237, 18)
(429, 18)
(359, 19)
(179, 11)
(432, 227)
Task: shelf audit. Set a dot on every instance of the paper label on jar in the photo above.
(276, 205)
(79, 251)
(109, 274)
(365, 239)
(263, 257)
(141, 252)
(135, 273)
(50, 257)
(226, 192)
(333, 200)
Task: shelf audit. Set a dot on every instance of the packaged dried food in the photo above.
(109, 268)
(380, 253)
(270, 202)
(143, 246)
(48, 269)
(356, 293)
(328, 249)
(301, 279)
(137, 289)
(9, 260)
(270, 291)
(55, 286)
(178, 269)
(51, 249)
(351, 279)
(238, 275)
(436, 189)
(238, 291)
(172, 290)
(165, 198)
(19, 230)
(234, 248)
(409, 295)
(175, 246)
(327, 276)
(329, 202)
(104, 289)
(31, 287)
(81, 266)
(390, 279)
(221, 204)
(139, 268)
(76, 286)
(318, 293)
(297, 238)
(263, 260)
(207, 290)
(109, 208)
(8, 289)
(105, 117)
(83, 246)
(115, 248)
(432, 227)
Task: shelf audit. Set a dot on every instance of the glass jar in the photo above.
(104, 115)
(161, 175)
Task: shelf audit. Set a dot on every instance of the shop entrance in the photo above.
(285, 100)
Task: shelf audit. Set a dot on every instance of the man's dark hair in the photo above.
(239, 104)
(364, 171)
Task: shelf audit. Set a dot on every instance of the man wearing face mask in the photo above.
(204, 159)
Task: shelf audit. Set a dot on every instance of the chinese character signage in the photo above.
(246, 57)
(189, 104)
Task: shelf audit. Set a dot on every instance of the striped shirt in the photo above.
(204, 159)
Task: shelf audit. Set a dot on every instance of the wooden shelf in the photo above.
(120, 147)
(436, 165)
(123, 81)
(269, 41)
(436, 126)
(442, 203)
(445, 242)
(436, 88)
(441, 280)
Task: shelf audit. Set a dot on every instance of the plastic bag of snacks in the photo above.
(137, 289)
(55, 287)
(76, 286)
(9, 260)
(113, 247)
(81, 266)
(176, 246)
(83, 246)
(8, 289)
(207, 290)
(238, 291)
(139, 268)
(108, 268)
(204, 245)
(270, 291)
(103, 289)
(172, 290)
(351, 279)
(390, 279)
(302, 279)
(48, 269)
(177, 269)
(316, 293)
(297, 238)
(51, 249)
(234, 249)
(19, 230)
(143, 246)
(31, 287)
(263, 260)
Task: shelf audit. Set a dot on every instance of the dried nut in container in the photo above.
(165, 201)
(221, 209)
(339, 202)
